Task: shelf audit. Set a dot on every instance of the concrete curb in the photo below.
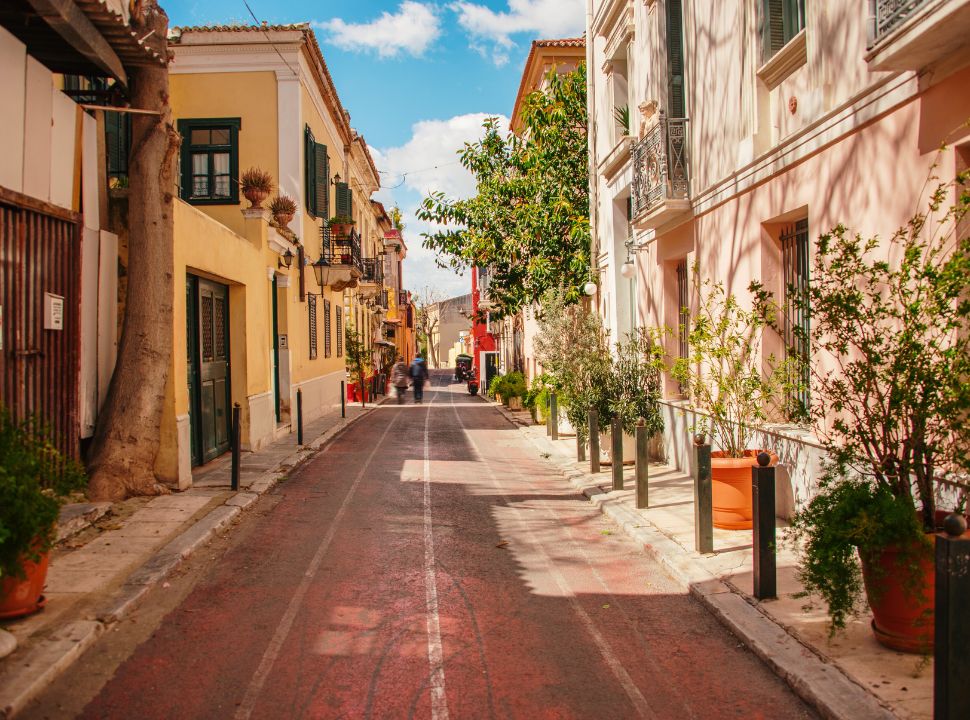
(46, 660)
(819, 683)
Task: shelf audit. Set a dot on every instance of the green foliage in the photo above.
(341, 220)
(622, 117)
(634, 387)
(396, 217)
(34, 481)
(723, 372)
(529, 221)
(508, 386)
(538, 394)
(358, 356)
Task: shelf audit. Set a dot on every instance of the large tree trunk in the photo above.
(122, 458)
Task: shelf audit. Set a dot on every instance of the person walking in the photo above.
(399, 379)
(419, 374)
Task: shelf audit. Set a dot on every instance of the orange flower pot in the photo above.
(731, 488)
(901, 590)
(23, 597)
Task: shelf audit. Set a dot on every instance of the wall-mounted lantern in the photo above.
(286, 259)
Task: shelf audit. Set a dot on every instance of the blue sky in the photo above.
(418, 79)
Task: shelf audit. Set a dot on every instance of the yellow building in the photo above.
(252, 324)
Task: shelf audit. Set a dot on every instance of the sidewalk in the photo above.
(99, 575)
(850, 676)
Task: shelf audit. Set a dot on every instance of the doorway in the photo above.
(489, 368)
(207, 335)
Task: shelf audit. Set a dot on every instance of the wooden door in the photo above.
(209, 376)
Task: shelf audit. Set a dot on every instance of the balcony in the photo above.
(341, 259)
(914, 34)
(373, 272)
(661, 188)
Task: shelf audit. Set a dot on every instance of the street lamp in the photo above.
(590, 288)
(629, 269)
(318, 267)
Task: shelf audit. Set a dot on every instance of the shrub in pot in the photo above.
(256, 185)
(34, 482)
(633, 388)
(892, 323)
(283, 208)
(341, 225)
(725, 377)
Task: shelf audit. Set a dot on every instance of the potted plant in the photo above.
(256, 185)
(890, 404)
(633, 387)
(283, 208)
(34, 482)
(341, 225)
(725, 378)
(358, 358)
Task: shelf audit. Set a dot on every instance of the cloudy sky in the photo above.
(418, 78)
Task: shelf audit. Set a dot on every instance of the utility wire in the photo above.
(266, 34)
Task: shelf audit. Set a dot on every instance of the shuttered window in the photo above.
(317, 172)
(327, 341)
(676, 103)
(345, 201)
(781, 20)
(340, 331)
(312, 306)
(210, 161)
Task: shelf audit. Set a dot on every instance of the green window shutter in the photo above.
(309, 162)
(345, 200)
(772, 27)
(184, 161)
(676, 103)
(321, 181)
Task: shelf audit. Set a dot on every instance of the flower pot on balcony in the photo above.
(19, 597)
(731, 488)
(340, 229)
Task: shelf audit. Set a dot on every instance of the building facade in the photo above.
(726, 137)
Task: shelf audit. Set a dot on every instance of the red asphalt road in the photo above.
(333, 605)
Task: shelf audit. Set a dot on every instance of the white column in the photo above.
(290, 128)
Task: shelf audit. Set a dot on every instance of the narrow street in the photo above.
(425, 564)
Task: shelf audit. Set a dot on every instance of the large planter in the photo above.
(731, 489)
(629, 447)
(901, 590)
(23, 597)
(255, 196)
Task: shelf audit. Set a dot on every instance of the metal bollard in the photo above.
(703, 499)
(616, 445)
(594, 441)
(234, 443)
(951, 663)
(554, 415)
(763, 523)
(299, 416)
(580, 449)
(643, 467)
(343, 398)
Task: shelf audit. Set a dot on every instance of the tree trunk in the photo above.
(122, 458)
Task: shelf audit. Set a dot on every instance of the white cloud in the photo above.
(411, 30)
(428, 161)
(539, 18)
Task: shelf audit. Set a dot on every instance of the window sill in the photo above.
(785, 61)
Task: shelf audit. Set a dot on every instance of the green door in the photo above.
(209, 379)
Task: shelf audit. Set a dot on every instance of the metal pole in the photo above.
(703, 499)
(554, 415)
(643, 467)
(234, 477)
(594, 441)
(343, 398)
(616, 444)
(299, 416)
(951, 665)
(763, 522)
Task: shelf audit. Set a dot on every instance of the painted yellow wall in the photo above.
(335, 152)
(248, 96)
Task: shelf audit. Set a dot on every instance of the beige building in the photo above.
(754, 127)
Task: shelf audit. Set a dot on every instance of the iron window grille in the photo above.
(327, 339)
(210, 161)
(660, 169)
(781, 21)
(683, 315)
(886, 15)
(340, 331)
(341, 250)
(795, 258)
(312, 306)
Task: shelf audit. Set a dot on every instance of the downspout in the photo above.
(591, 142)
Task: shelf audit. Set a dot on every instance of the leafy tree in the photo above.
(529, 221)
(358, 358)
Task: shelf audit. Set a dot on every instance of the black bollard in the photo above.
(554, 415)
(703, 499)
(234, 443)
(763, 523)
(299, 416)
(643, 467)
(616, 445)
(951, 662)
(343, 398)
(594, 441)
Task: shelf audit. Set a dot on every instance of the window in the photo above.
(210, 161)
(676, 101)
(345, 200)
(312, 306)
(683, 314)
(781, 21)
(317, 164)
(326, 328)
(794, 251)
(340, 331)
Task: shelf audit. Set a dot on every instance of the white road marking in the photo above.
(616, 667)
(272, 652)
(439, 701)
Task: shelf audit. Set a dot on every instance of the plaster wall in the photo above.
(13, 83)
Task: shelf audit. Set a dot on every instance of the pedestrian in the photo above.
(419, 374)
(399, 378)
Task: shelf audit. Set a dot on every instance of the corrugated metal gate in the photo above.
(40, 257)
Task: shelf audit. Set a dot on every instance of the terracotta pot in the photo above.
(901, 590)
(255, 197)
(731, 488)
(340, 229)
(23, 597)
(283, 219)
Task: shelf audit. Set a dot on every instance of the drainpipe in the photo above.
(591, 140)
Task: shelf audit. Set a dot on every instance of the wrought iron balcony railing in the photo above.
(660, 169)
(373, 271)
(887, 15)
(341, 250)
